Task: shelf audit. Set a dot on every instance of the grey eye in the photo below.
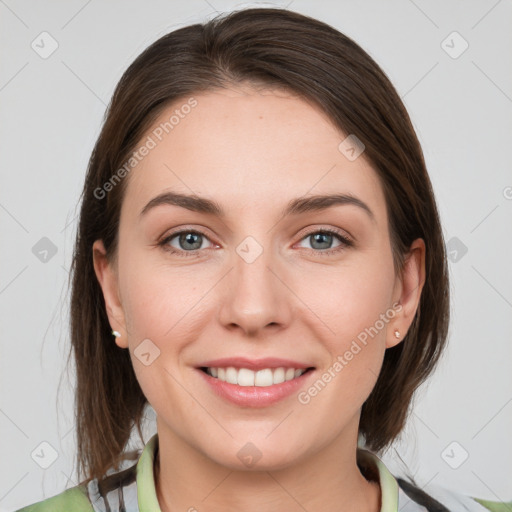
(186, 240)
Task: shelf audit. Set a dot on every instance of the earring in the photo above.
(116, 334)
(397, 334)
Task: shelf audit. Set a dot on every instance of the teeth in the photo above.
(245, 377)
(262, 378)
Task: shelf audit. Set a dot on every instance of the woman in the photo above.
(259, 257)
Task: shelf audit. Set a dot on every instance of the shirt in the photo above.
(133, 490)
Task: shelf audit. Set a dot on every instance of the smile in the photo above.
(256, 388)
(261, 378)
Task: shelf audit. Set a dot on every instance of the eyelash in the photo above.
(345, 242)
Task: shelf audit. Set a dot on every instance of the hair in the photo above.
(275, 48)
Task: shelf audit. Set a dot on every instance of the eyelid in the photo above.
(329, 229)
(346, 241)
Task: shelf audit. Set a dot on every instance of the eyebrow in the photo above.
(294, 207)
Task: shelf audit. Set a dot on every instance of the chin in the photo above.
(257, 455)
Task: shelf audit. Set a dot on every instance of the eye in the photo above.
(321, 241)
(188, 242)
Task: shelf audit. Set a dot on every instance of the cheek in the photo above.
(349, 300)
(159, 311)
(157, 299)
(353, 310)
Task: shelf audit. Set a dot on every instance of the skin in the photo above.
(252, 151)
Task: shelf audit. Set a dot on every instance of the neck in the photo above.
(328, 481)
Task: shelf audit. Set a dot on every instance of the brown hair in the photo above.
(277, 48)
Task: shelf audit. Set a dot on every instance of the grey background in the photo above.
(51, 112)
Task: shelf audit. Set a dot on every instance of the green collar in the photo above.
(146, 490)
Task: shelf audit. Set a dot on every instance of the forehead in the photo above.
(248, 147)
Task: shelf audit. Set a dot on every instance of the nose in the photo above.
(254, 297)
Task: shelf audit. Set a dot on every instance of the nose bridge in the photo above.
(255, 296)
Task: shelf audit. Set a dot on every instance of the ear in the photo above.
(408, 289)
(107, 277)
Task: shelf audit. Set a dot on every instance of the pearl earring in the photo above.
(397, 334)
(116, 334)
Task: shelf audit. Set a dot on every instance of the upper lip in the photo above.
(253, 364)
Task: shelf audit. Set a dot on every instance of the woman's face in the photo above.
(257, 280)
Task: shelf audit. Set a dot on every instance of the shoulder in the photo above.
(495, 506)
(115, 492)
(75, 499)
(118, 491)
(441, 499)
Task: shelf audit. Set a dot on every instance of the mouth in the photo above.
(246, 377)
(249, 382)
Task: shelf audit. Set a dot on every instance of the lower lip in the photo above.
(255, 396)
